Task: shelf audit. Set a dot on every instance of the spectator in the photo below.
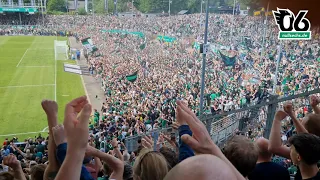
(202, 167)
(170, 156)
(242, 153)
(150, 165)
(305, 153)
(37, 171)
(265, 169)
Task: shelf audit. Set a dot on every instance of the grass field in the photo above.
(28, 74)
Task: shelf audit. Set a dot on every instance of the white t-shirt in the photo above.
(284, 138)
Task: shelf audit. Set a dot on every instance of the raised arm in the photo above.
(97, 161)
(114, 163)
(275, 145)
(13, 163)
(77, 132)
(288, 108)
(125, 149)
(19, 151)
(200, 141)
(116, 149)
(51, 110)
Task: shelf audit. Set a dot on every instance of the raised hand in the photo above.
(147, 142)
(201, 141)
(288, 108)
(12, 162)
(76, 128)
(114, 142)
(314, 100)
(280, 115)
(59, 134)
(175, 125)
(180, 117)
(50, 107)
(160, 139)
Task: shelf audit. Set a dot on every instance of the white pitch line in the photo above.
(44, 129)
(35, 66)
(4, 135)
(22, 57)
(35, 49)
(40, 85)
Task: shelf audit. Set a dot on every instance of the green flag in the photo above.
(227, 60)
(88, 44)
(86, 41)
(143, 46)
(133, 77)
(272, 55)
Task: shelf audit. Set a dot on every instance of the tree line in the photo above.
(150, 6)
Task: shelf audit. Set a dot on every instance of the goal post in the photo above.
(61, 50)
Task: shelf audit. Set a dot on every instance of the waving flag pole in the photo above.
(204, 60)
(264, 32)
(231, 32)
(275, 80)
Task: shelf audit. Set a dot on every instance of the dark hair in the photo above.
(127, 172)
(37, 172)
(308, 147)
(170, 156)
(106, 169)
(242, 153)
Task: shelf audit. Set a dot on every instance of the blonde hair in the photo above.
(150, 165)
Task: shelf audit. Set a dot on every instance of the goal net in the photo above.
(61, 50)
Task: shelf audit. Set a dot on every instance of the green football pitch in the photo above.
(28, 74)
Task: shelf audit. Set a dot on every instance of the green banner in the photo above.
(140, 34)
(166, 38)
(29, 10)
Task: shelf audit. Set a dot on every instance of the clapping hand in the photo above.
(76, 127)
(201, 141)
(147, 142)
(59, 134)
(280, 115)
(288, 108)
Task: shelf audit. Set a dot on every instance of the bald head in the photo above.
(201, 167)
(264, 154)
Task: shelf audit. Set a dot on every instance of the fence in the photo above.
(258, 118)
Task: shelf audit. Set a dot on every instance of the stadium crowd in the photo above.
(69, 145)
(166, 92)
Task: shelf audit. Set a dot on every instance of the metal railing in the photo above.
(223, 126)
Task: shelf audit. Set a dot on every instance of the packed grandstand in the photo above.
(149, 72)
